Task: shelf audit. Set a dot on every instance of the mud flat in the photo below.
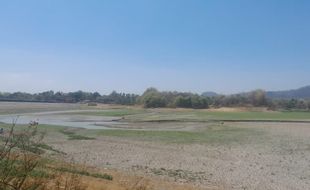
(270, 157)
(197, 148)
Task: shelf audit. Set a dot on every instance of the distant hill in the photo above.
(300, 93)
(209, 94)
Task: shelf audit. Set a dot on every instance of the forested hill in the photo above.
(300, 93)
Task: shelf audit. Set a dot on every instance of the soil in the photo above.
(280, 160)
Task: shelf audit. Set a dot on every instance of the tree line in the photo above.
(153, 98)
(70, 97)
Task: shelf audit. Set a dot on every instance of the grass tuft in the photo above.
(47, 147)
(73, 136)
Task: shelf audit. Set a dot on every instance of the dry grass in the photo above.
(123, 181)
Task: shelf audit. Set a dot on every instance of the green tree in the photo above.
(183, 102)
(258, 98)
(152, 98)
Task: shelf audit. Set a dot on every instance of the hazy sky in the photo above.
(185, 45)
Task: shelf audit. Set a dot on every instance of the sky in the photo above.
(129, 45)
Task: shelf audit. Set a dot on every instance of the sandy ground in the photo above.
(279, 161)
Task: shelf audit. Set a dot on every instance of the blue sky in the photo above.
(128, 45)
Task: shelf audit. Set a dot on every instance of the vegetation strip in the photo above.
(224, 120)
(152, 98)
(217, 134)
(72, 136)
(47, 147)
(85, 173)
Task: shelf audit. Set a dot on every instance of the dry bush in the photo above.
(66, 179)
(139, 184)
(67, 182)
(21, 165)
(20, 159)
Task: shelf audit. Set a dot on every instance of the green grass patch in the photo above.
(203, 115)
(73, 136)
(85, 173)
(79, 137)
(66, 132)
(47, 147)
(39, 174)
(211, 135)
(254, 115)
(41, 127)
(14, 167)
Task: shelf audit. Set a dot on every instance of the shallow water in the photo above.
(61, 119)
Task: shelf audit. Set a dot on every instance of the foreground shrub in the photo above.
(22, 166)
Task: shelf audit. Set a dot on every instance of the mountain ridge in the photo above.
(299, 93)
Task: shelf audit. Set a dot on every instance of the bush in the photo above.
(23, 168)
(20, 160)
(92, 104)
